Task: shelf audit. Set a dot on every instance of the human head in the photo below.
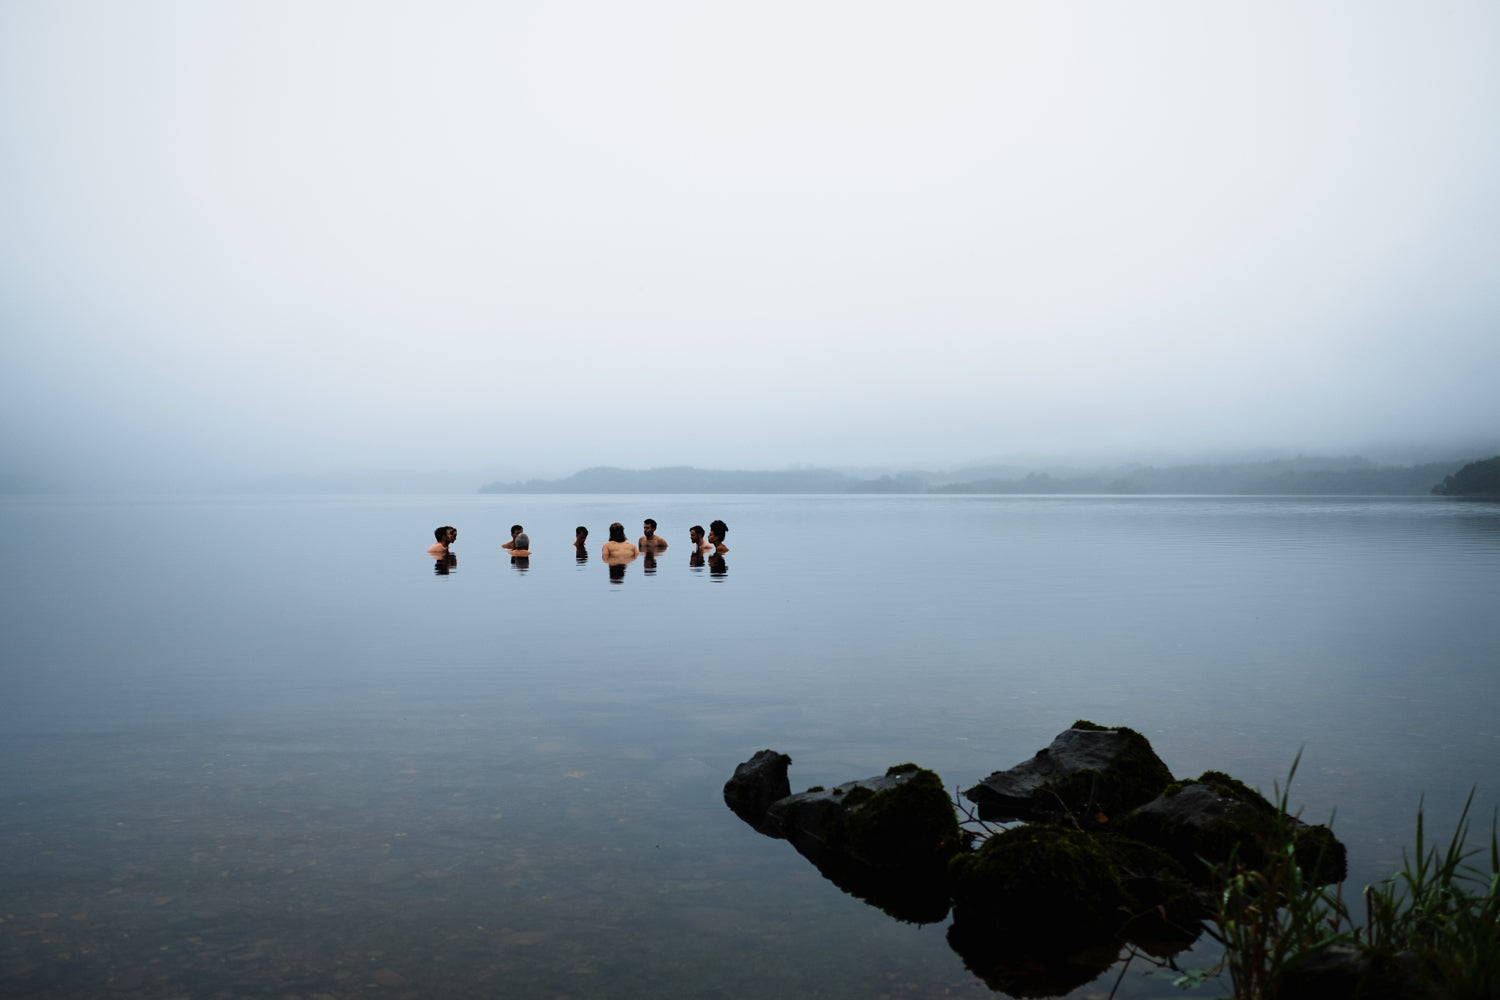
(581, 532)
(649, 527)
(695, 533)
(515, 529)
(718, 529)
(441, 534)
(617, 532)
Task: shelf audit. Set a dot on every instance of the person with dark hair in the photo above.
(519, 544)
(618, 551)
(695, 536)
(581, 542)
(651, 541)
(446, 536)
(716, 532)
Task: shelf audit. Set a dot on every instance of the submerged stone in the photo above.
(1343, 970)
(756, 784)
(885, 840)
(901, 820)
(1089, 772)
(1217, 817)
(1033, 881)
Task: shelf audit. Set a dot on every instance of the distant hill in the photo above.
(1477, 479)
(1299, 476)
(1304, 477)
(684, 479)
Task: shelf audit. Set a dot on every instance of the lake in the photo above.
(258, 747)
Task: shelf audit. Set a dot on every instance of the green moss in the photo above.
(909, 823)
(1321, 856)
(1233, 788)
(1240, 830)
(896, 769)
(1041, 877)
(858, 795)
(819, 788)
(1086, 724)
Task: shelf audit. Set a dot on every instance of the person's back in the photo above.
(617, 549)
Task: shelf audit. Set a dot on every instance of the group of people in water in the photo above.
(618, 551)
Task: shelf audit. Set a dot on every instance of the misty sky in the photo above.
(271, 237)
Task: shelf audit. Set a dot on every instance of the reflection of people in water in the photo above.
(522, 561)
(716, 532)
(648, 562)
(651, 541)
(716, 565)
(519, 544)
(581, 543)
(446, 563)
(617, 551)
(446, 536)
(617, 572)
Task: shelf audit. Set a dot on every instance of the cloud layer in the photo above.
(253, 238)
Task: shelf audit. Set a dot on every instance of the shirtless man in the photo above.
(519, 544)
(695, 537)
(581, 541)
(618, 551)
(446, 536)
(651, 541)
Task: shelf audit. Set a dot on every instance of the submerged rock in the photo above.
(885, 839)
(1035, 879)
(1089, 772)
(1216, 817)
(1114, 851)
(901, 820)
(1343, 970)
(756, 784)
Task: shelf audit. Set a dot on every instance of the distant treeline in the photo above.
(1304, 476)
(1477, 479)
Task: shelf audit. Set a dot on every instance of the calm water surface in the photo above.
(257, 747)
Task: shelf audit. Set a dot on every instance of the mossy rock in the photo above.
(1209, 821)
(886, 839)
(901, 820)
(1322, 857)
(1204, 822)
(1038, 879)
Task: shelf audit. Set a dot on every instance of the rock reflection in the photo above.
(1115, 859)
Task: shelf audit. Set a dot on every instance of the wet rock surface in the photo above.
(1215, 816)
(1088, 771)
(756, 785)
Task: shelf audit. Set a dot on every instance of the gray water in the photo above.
(257, 747)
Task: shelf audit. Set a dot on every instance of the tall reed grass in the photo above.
(1438, 917)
